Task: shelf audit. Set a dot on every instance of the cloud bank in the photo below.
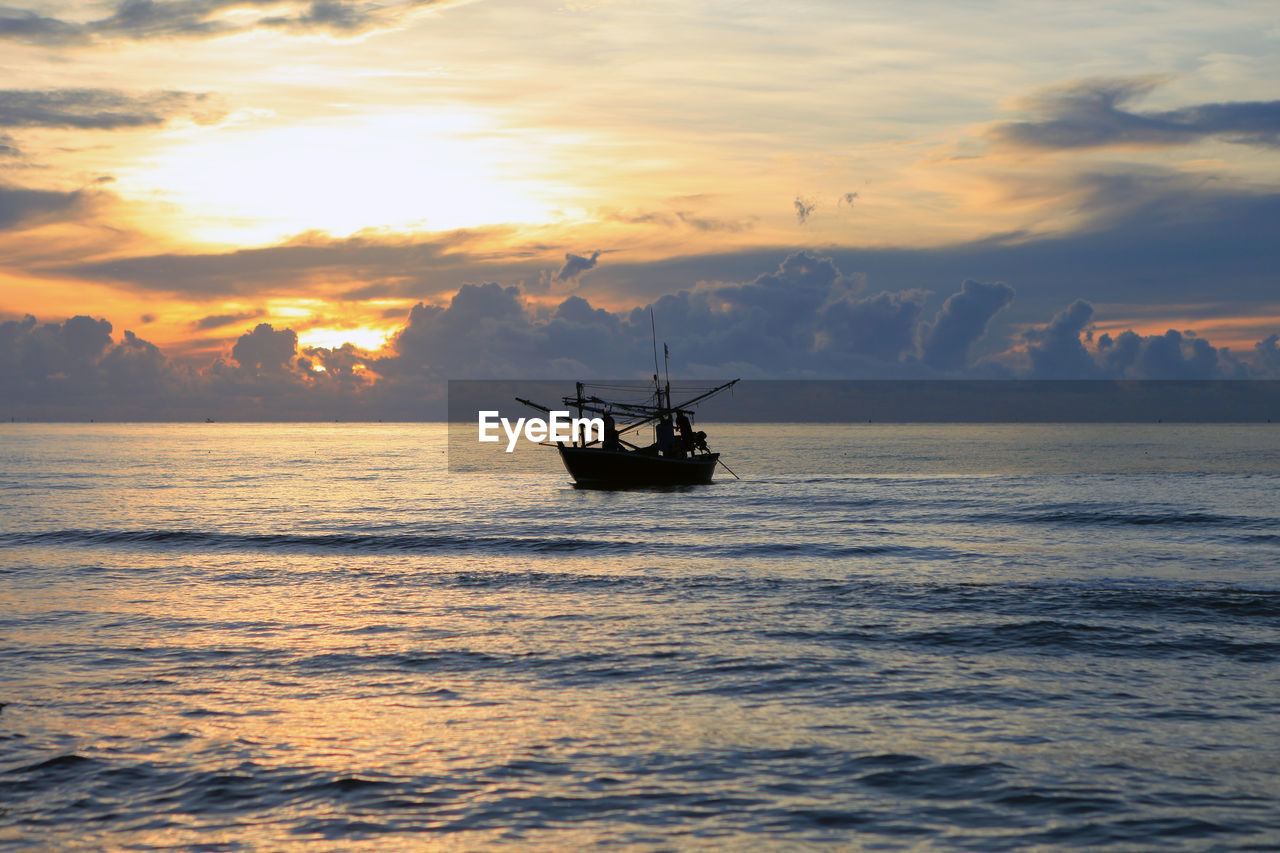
(805, 319)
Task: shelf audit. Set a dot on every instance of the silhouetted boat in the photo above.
(679, 456)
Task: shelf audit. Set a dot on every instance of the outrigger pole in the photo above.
(595, 404)
(653, 416)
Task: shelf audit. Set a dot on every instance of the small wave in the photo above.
(357, 542)
(388, 543)
(1111, 517)
(828, 550)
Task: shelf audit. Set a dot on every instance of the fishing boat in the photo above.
(678, 456)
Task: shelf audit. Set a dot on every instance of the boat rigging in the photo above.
(679, 455)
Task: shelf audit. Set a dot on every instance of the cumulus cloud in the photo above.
(486, 331)
(1057, 351)
(75, 365)
(945, 343)
(1092, 114)
(266, 349)
(1173, 355)
(881, 326)
(1267, 352)
(806, 318)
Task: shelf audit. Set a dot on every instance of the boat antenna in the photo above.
(666, 363)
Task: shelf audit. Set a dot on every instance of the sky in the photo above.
(273, 209)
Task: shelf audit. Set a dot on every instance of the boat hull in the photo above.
(599, 468)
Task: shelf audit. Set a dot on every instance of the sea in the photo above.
(227, 637)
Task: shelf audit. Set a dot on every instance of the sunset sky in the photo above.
(239, 189)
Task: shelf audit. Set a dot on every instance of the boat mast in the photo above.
(653, 327)
(579, 389)
(666, 363)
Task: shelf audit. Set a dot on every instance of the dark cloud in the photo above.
(136, 20)
(265, 349)
(369, 291)
(1267, 352)
(143, 19)
(1057, 351)
(485, 330)
(21, 208)
(339, 17)
(711, 224)
(1091, 114)
(945, 343)
(685, 218)
(27, 26)
(401, 268)
(881, 326)
(97, 109)
(150, 18)
(217, 321)
(1173, 355)
(806, 318)
(346, 366)
(75, 370)
(136, 366)
(76, 366)
(797, 318)
(576, 265)
(804, 209)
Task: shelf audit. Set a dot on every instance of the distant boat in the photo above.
(679, 455)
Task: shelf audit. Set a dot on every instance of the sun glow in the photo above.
(405, 171)
(364, 338)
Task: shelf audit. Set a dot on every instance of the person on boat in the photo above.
(611, 440)
(700, 442)
(685, 429)
(666, 435)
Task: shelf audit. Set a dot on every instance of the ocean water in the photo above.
(885, 637)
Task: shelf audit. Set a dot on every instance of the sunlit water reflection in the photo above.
(906, 637)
